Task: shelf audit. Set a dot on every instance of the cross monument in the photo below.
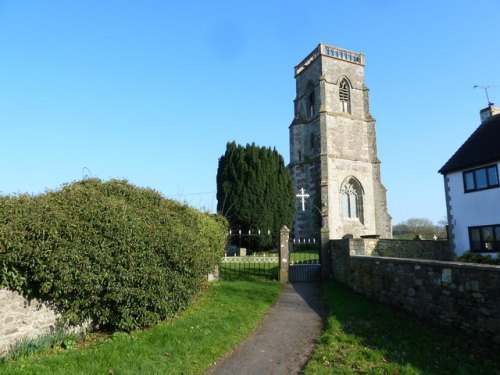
(302, 196)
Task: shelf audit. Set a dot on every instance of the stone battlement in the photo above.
(334, 52)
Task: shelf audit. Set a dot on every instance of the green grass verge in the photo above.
(363, 337)
(220, 319)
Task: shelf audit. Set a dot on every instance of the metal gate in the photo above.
(304, 260)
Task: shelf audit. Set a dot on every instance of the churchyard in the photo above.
(361, 336)
(264, 264)
(141, 262)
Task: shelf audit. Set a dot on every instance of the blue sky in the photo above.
(151, 91)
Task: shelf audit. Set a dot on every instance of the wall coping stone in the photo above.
(440, 263)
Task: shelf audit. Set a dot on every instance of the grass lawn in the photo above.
(214, 324)
(363, 337)
(304, 256)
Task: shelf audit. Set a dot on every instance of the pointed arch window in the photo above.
(310, 99)
(345, 96)
(352, 200)
(310, 103)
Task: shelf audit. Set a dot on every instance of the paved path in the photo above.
(286, 338)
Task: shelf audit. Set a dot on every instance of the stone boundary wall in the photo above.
(457, 294)
(21, 318)
(412, 249)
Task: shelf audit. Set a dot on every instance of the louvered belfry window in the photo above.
(345, 96)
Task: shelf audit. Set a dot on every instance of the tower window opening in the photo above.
(310, 104)
(352, 200)
(345, 96)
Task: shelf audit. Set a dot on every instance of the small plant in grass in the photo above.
(28, 346)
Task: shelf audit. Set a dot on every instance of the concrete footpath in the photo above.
(284, 341)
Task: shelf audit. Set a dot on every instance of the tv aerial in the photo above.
(486, 87)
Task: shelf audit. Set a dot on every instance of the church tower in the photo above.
(333, 149)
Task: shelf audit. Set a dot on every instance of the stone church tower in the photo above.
(333, 149)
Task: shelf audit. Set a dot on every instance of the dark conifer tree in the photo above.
(254, 192)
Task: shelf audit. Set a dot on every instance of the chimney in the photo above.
(489, 112)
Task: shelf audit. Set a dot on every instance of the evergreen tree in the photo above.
(254, 192)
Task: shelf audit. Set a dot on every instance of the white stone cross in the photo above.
(302, 195)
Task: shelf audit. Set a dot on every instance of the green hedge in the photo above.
(474, 257)
(122, 256)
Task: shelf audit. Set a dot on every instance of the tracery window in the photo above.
(345, 96)
(352, 200)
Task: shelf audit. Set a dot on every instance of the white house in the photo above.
(472, 189)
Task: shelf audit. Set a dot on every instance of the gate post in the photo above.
(324, 255)
(284, 254)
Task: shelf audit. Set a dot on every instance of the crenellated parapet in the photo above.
(334, 52)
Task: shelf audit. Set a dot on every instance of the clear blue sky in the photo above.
(151, 91)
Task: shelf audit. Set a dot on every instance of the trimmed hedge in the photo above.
(122, 256)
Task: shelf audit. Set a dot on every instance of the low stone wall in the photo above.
(22, 318)
(409, 249)
(458, 294)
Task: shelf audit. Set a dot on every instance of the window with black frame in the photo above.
(481, 178)
(485, 238)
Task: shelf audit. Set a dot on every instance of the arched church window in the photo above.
(352, 200)
(345, 96)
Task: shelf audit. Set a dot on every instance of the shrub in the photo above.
(473, 257)
(122, 256)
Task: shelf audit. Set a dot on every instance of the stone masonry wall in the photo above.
(22, 318)
(457, 294)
